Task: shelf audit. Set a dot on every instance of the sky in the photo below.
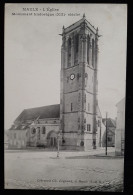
(32, 60)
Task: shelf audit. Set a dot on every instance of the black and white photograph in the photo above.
(64, 96)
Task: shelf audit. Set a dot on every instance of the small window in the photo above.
(110, 139)
(82, 127)
(33, 131)
(88, 127)
(86, 75)
(43, 130)
(85, 98)
(63, 141)
(86, 79)
(98, 123)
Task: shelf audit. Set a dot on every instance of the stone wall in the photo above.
(71, 122)
(40, 138)
(72, 142)
(35, 135)
(71, 98)
(17, 139)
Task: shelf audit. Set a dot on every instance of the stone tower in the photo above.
(78, 95)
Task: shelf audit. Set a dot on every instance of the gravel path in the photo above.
(42, 170)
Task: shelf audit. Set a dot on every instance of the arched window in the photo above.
(69, 52)
(88, 127)
(63, 141)
(85, 98)
(86, 79)
(43, 130)
(33, 131)
(93, 52)
(88, 48)
(76, 43)
(76, 47)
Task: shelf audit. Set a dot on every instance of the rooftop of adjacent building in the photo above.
(110, 122)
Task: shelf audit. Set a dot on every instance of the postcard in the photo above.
(65, 78)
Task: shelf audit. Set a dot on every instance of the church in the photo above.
(76, 122)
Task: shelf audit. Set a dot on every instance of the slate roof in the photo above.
(51, 111)
(76, 24)
(110, 122)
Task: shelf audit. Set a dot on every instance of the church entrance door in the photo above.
(52, 141)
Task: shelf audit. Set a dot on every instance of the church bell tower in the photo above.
(79, 86)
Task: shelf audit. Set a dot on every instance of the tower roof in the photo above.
(78, 23)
